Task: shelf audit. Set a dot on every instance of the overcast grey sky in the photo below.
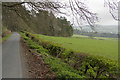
(103, 12)
(97, 6)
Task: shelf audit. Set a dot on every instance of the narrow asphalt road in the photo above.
(11, 58)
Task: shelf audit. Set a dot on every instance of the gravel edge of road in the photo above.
(35, 67)
(24, 60)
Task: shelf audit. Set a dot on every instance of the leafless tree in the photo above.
(78, 9)
(113, 8)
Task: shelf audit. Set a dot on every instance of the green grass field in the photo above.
(82, 36)
(107, 47)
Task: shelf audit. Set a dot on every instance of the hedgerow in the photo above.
(62, 69)
(66, 63)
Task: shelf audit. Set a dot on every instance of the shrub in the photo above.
(98, 67)
(62, 69)
(88, 65)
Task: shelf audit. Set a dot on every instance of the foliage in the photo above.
(65, 25)
(4, 29)
(97, 67)
(76, 65)
(62, 69)
(6, 37)
(42, 22)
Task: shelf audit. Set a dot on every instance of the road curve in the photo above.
(11, 58)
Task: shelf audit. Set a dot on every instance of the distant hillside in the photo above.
(18, 18)
(113, 29)
(97, 34)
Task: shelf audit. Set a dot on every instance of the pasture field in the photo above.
(102, 47)
(83, 36)
(68, 63)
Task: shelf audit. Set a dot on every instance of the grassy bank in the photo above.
(68, 63)
(63, 70)
(6, 37)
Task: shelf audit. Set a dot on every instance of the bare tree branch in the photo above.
(79, 9)
(12, 5)
(81, 12)
(113, 8)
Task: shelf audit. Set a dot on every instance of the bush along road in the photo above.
(70, 64)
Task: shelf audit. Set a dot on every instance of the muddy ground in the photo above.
(35, 67)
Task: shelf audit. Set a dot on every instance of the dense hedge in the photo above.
(86, 65)
(63, 70)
